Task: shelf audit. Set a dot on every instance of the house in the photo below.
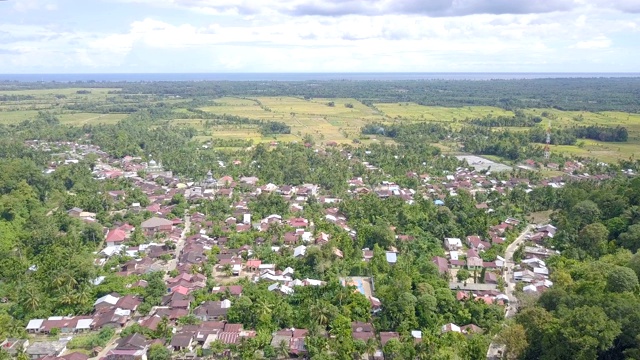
(71, 356)
(156, 224)
(362, 331)
(128, 302)
(450, 327)
(40, 349)
(474, 262)
(471, 329)
(34, 326)
(75, 212)
(452, 244)
(115, 237)
(475, 242)
(442, 264)
(12, 346)
(299, 251)
(298, 222)
(392, 257)
(549, 230)
(386, 336)
(107, 301)
(212, 310)
(182, 341)
(490, 277)
(233, 290)
(151, 322)
(133, 342)
(367, 254)
(293, 338)
(113, 318)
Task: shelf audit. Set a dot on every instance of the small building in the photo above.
(392, 257)
(452, 244)
(156, 224)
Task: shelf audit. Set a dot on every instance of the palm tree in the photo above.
(30, 298)
(228, 271)
(371, 346)
(164, 329)
(320, 312)
(83, 295)
(283, 349)
(263, 307)
(67, 297)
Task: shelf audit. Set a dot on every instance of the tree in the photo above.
(164, 330)
(158, 352)
(393, 349)
(321, 312)
(463, 275)
(227, 270)
(593, 239)
(631, 238)
(283, 349)
(371, 345)
(586, 212)
(514, 339)
(634, 263)
(621, 279)
(581, 333)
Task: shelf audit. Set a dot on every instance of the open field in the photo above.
(315, 117)
(339, 122)
(79, 119)
(417, 112)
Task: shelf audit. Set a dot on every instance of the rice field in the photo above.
(335, 119)
(416, 112)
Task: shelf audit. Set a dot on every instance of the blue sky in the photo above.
(120, 36)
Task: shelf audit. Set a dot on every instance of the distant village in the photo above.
(489, 281)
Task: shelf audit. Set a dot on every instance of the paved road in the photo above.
(496, 349)
(168, 267)
(180, 244)
(471, 286)
(507, 275)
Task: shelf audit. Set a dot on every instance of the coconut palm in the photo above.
(320, 313)
(227, 270)
(30, 298)
(263, 307)
(83, 295)
(283, 349)
(371, 345)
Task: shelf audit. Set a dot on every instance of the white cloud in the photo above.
(264, 36)
(599, 42)
(30, 5)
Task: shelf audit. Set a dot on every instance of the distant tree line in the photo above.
(577, 94)
(274, 127)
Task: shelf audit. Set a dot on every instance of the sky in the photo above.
(235, 36)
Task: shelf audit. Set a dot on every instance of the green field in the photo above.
(315, 117)
(339, 123)
(417, 112)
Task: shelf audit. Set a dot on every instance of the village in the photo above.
(192, 252)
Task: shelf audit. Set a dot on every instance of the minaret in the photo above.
(547, 150)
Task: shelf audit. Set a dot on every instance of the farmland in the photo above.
(325, 119)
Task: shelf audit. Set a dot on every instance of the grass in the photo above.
(412, 111)
(79, 119)
(325, 123)
(13, 117)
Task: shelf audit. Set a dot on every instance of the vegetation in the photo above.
(46, 256)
